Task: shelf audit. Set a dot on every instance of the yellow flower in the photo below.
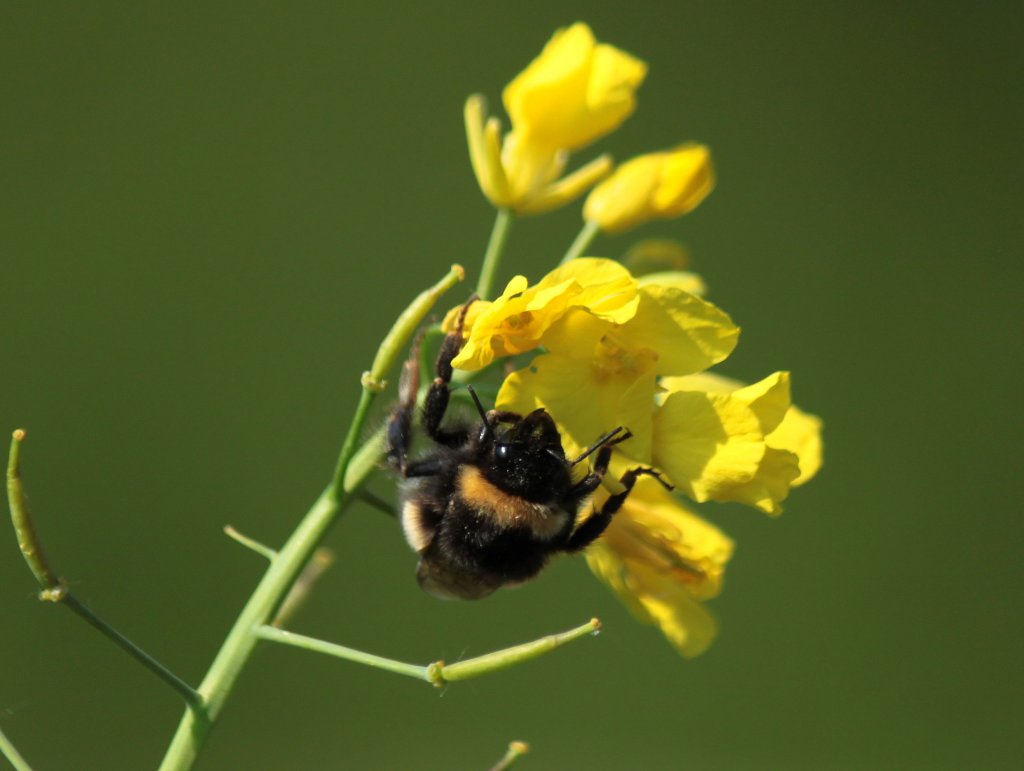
(662, 560)
(654, 186)
(575, 92)
(620, 351)
(797, 433)
(519, 319)
(714, 445)
(613, 363)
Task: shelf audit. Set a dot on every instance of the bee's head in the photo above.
(525, 455)
(536, 433)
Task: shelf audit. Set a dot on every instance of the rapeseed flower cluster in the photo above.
(608, 348)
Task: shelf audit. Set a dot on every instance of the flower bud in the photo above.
(654, 186)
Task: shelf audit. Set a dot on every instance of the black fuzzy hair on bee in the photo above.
(489, 504)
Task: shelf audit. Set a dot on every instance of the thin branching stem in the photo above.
(55, 590)
(438, 673)
(583, 240)
(192, 698)
(273, 634)
(249, 543)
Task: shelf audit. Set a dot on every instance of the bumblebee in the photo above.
(490, 503)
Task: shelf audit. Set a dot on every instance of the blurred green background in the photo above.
(210, 213)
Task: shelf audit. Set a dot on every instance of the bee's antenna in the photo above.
(607, 438)
(486, 428)
(556, 456)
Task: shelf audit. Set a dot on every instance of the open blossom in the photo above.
(632, 348)
(797, 433)
(576, 91)
(614, 350)
(521, 318)
(662, 561)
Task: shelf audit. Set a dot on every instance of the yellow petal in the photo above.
(607, 290)
(476, 309)
(513, 323)
(799, 432)
(686, 179)
(557, 384)
(576, 335)
(688, 333)
(709, 444)
(529, 168)
(606, 565)
(517, 320)
(653, 186)
(483, 153)
(713, 445)
(776, 473)
(568, 188)
(687, 624)
(623, 200)
(655, 528)
(498, 179)
(574, 92)
(769, 398)
(655, 599)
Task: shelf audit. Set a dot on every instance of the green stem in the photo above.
(437, 673)
(492, 257)
(354, 466)
(342, 652)
(54, 590)
(241, 640)
(348, 449)
(583, 240)
(249, 543)
(192, 698)
(9, 751)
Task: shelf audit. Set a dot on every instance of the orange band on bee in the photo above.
(509, 510)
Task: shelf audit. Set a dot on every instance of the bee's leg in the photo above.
(399, 432)
(589, 531)
(591, 481)
(436, 402)
(427, 467)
